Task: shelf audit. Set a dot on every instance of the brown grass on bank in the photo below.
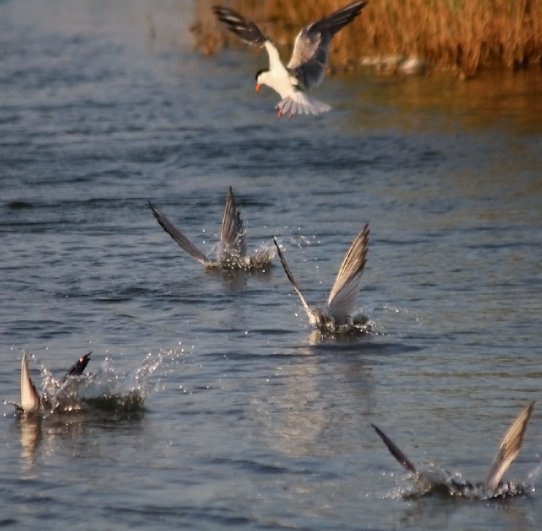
(468, 35)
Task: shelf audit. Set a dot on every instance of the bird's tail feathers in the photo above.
(300, 103)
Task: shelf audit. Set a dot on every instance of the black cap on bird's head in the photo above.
(257, 76)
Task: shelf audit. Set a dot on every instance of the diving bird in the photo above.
(233, 246)
(493, 487)
(338, 315)
(306, 68)
(31, 401)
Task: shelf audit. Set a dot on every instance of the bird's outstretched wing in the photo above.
(342, 297)
(396, 452)
(243, 28)
(292, 280)
(30, 399)
(509, 448)
(309, 56)
(232, 236)
(178, 236)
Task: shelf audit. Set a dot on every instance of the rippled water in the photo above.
(248, 420)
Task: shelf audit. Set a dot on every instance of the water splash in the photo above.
(535, 473)
(437, 481)
(260, 260)
(107, 388)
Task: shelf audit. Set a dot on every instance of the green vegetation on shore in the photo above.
(465, 35)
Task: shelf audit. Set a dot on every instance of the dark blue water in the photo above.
(249, 421)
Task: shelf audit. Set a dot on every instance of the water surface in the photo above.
(249, 421)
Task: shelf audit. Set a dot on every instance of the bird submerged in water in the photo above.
(31, 401)
(306, 68)
(493, 488)
(337, 317)
(233, 246)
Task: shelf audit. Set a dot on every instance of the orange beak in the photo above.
(258, 87)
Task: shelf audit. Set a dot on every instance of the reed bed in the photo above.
(466, 35)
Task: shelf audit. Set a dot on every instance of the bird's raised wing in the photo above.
(178, 236)
(395, 451)
(342, 297)
(292, 280)
(232, 236)
(309, 56)
(509, 448)
(243, 28)
(30, 399)
(78, 367)
(249, 33)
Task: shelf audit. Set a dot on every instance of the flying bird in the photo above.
(338, 315)
(493, 487)
(232, 254)
(306, 68)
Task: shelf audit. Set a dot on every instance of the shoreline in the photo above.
(462, 36)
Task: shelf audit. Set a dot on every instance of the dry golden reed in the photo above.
(468, 35)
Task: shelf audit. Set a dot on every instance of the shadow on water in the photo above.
(309, 399)
(54, 430)
(445, 512)
(359, 346)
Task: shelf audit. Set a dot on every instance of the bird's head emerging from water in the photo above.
(261, 78)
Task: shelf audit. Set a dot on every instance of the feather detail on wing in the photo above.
(243, 28)
(178, 236)
(395, 451)
(310, 53)
(30, 399)
(299, 103)
(342, 297)
(509, 448)
(232, 237)
(309, 59)
(292, 280)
